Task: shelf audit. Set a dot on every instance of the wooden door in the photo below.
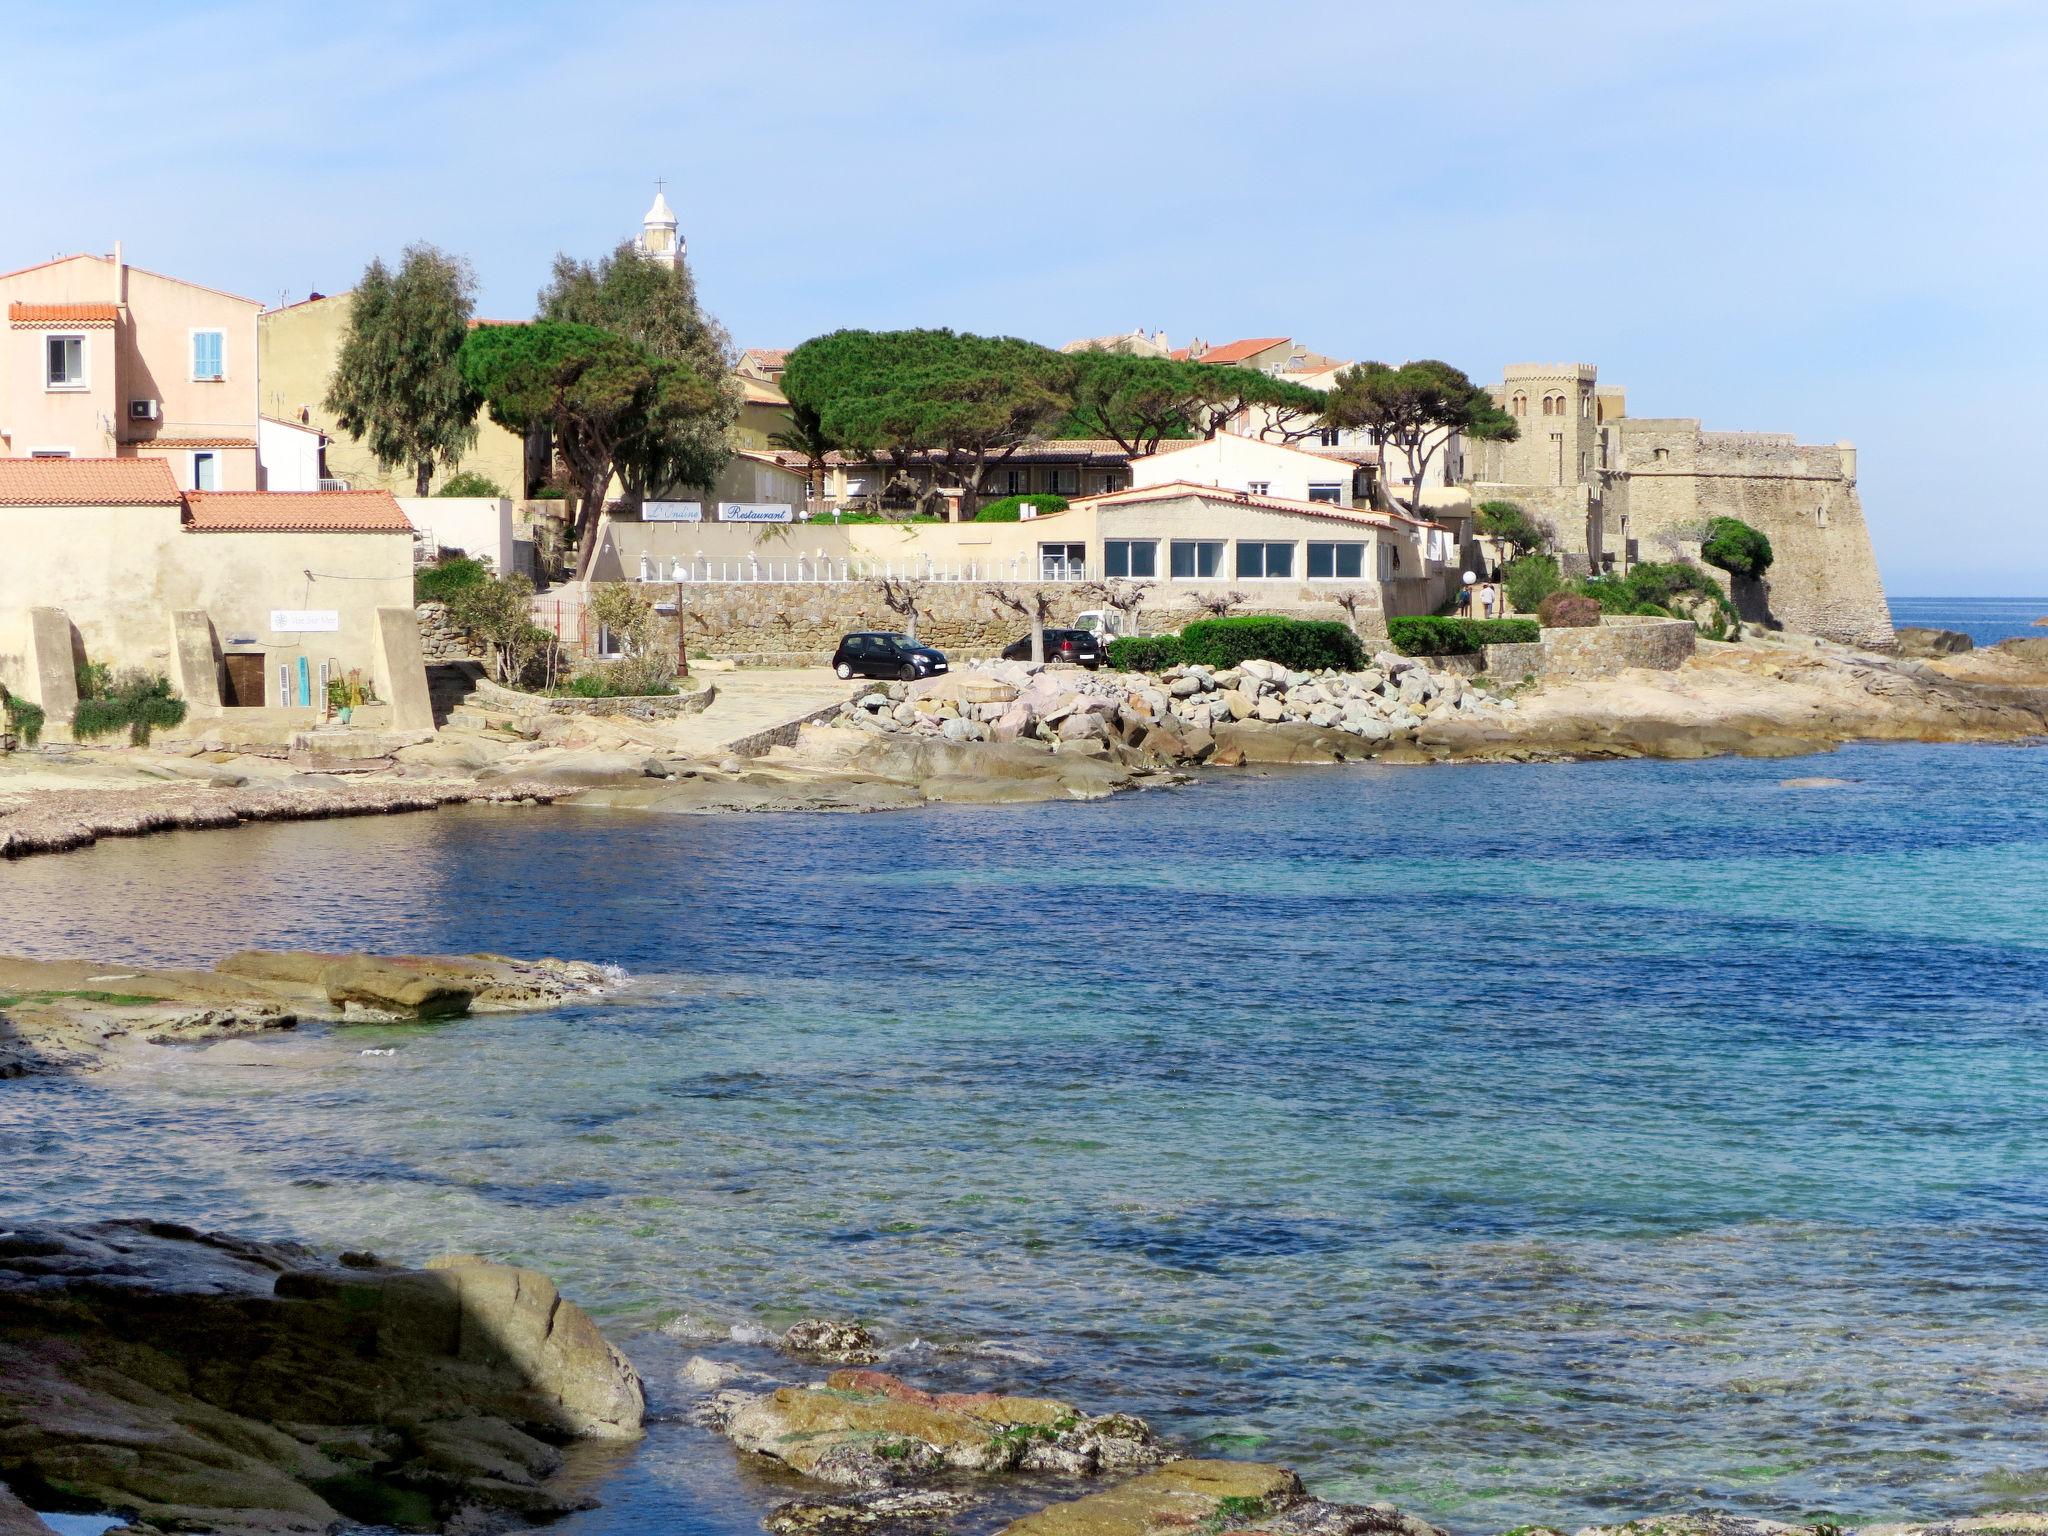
(244, 681)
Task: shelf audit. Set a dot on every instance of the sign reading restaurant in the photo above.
(754, 512)
(672, 511)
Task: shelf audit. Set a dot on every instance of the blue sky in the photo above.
(1795, 216)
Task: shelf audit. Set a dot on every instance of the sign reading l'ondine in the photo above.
(672, 511)
(304, 621)
(754, 512)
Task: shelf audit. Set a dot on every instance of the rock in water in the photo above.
(845, 1514)
(826, 1338)
(17, 1519)
(1919, 644)
(384, 987)
(208, 1383)
(865, 1429)
(1215, 1496)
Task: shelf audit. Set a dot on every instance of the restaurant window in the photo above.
(1135, 558)
(1062, 562)
(1259, 560)
(1196, 559)
(1336, 561)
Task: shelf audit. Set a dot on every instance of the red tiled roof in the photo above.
(141, 443)
(294, 512)
(1178, 489)
(20, 314)
(1238, 351)
(87, 483)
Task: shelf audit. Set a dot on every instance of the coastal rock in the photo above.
(1705, 1524)
(832, 1340)
(1187, 1496)
(858, 1510)
(382, 987)
(867, 1429)
(213, 1384)
(1916, 644)
(17, 1519)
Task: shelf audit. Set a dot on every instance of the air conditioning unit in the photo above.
(145, 410)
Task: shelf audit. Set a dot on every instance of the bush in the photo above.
(1432, 635)
(549, 493)
(24, 719)
(1144, 653)
(1305, 645)
(1568, 610)
(1736, 548)
(438, 582)
(1667, 590)
(470, 483)
(1008, 509)
(1530, 580)
(880, 517)
(141, 701)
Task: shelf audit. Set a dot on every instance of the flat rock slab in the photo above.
(1215, 1496)
(207, 1383)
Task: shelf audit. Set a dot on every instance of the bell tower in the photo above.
(660, 240)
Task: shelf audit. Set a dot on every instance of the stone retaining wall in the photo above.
(657, 706)
(440, 640)
(1601, 650)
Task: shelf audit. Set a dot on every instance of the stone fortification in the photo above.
(1598, 650)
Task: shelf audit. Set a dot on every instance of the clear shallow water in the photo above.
(1511, 1142)
(1986, 620)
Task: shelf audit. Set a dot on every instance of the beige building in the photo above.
(104, 360)
(245, 600)
(297, 347)
(1616, 489)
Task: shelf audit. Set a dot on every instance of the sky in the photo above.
(1776, 215)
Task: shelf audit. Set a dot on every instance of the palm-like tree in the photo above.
(806, 435)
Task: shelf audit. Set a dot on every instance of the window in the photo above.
(1520, 404)
(209, 350)
(1336, 562)
(1062, 562)
(1586, 404)
(1546, 405)
(1261, 561)
(1138, 558)
(1196, 559)
(49, 453)
(66, 355)
(1331, 491)
(1329, 436)
(1015, 482)
(1062, 481)
(1106, 481)
(1259, 487)
(205, 471)
(1660, 454)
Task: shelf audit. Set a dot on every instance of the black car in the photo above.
(1082, 646)
(881, 653)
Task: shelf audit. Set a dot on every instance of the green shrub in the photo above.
(470, 483)
(1007, 510)
(549, 493)
(1568, 610)
(591, 685)
(24, 719)
(1431, 635)
(141, 701)
(1530, 580)
(1144, 653)
(440, 581)
(1736, 547)
(1305, 645)
(1667, 590)
(883, 517)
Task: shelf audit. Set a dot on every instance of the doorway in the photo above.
(243, 672)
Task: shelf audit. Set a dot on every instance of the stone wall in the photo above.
(1600, 650)
(790, 624)
(440, 640)
(694, 700)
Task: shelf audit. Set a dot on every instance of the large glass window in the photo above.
(1258, 560)
(1062, 562)
(66, 356)
(1331, 491)
(209, 350)
(1336, 561)
(1138, 558)
(1196, 559)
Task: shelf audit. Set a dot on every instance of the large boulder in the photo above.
(380, 986)
(1916, 644)
(207, 1383)
(1215, 1496)
(867, 1429)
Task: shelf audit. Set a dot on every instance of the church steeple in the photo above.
(660, 240)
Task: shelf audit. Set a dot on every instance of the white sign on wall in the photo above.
(304, 621)
(754, 512)
(672, 511)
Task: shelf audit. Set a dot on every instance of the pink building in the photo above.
(103, 360)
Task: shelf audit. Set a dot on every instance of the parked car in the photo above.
(1081, 646)
(880, 653)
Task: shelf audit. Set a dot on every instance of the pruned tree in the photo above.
(1121, 596)
(654, 306)
(1415, 410)
(1032, 604)
(397, 383)
(1362, 600)
(607, 404)
(1216, 604)
(904, 595)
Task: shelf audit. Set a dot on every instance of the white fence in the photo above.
(823, 569)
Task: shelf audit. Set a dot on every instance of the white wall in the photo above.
(1234, 463)
(288, 457)
(480, 526)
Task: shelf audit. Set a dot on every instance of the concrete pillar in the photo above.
(195, 662)
(400, 672)
(51, 670)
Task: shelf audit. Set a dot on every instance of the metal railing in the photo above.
(828, 570)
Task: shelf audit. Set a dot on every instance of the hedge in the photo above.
(1305, 645)
(440, 581)
(140, 701)
(1434, 636)
(1144, 653)
(1007, 510)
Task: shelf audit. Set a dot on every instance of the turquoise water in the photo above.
(1986, 620)
(1512, 1142)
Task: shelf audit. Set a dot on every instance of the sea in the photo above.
(1986, 620)
(1513, 1143)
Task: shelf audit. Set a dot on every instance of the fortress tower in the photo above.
(660, 241)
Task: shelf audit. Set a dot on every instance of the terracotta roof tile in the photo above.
(1238, 351)
(294, 512)
(22, 315)
(141, 443)
(86, 483)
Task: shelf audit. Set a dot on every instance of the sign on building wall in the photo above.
(754, 512)
(304, 621)
(672, 511)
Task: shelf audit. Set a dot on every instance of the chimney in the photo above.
(120, 276)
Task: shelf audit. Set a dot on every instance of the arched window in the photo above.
(1550, 405)
(1520, 404)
